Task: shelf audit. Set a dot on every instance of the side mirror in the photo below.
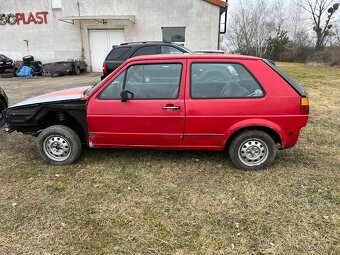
(124, 95)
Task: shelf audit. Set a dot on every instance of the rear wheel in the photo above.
(2, 115)
(252, 150)
(59, 145)
(78, 71)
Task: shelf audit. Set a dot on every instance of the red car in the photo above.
(243, 105)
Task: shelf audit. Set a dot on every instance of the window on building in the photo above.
(223, 80)
(56, 4)
(154, 81)
(147, 50)
(173, 34)
(170, 50)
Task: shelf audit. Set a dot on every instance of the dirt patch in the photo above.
(19, 89)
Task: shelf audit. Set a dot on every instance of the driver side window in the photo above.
(154, 81)
(112, 91)
(149, 81)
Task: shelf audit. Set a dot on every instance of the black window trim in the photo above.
(222, 98)
(124, 82)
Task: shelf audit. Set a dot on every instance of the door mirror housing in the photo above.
(124, 95)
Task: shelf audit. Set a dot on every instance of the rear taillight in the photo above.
(304, 105)
(104, 68)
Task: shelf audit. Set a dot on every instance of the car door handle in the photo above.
(171, 107)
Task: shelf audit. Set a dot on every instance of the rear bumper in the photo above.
(290, 137)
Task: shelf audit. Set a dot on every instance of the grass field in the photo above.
(172, 202)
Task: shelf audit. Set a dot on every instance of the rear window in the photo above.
(116, 53)
(3, 57)
(289, 80)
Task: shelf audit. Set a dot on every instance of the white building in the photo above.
(56, 30)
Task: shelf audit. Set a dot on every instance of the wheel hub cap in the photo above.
(253, 152)
(57, 148)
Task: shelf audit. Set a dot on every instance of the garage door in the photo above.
(101, 42)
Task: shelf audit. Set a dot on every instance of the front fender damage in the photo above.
(32, 119)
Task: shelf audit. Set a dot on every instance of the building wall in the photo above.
(58, 40)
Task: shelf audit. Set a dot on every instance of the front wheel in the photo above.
(252, 150)
(59, 145)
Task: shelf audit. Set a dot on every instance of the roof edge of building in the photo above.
(219, 3)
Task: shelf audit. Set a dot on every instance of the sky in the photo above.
(287, 5)
(234, 3)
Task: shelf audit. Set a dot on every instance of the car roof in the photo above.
(193, 56)
(145, 42)
(137, 44)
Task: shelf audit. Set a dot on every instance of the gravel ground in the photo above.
(18, 89)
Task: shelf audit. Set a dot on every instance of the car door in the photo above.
(153, 116)
(220, 94)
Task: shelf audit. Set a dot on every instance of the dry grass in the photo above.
(165, 202)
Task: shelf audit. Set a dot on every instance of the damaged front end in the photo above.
(65, 107)
(23, 119)
(32, 119)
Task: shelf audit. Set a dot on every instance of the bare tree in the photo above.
(318, 9)
(336, 34)
(250, 27)
(296, 26)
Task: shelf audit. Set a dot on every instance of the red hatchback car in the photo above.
(244, 105)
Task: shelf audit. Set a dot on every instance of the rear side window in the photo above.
(147, 50)
(223, 80)
(170, 50)
(116, 53)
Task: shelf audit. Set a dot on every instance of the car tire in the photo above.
(7, 75)
(2, 116)
(10, 71)
(59, 145)
(252, 150)
(77, 70)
